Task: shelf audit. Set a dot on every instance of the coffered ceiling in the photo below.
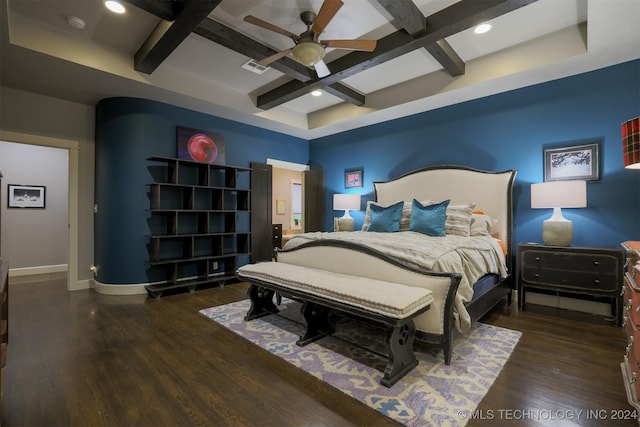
(190, 54)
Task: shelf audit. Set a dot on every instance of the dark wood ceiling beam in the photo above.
(163, 9)
(169, 34)
(407, 14)
(229, 38)
(447, 57)
(452, 20)
(345, 93)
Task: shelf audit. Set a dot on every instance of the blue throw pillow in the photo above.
(430, 219)
(385, 219)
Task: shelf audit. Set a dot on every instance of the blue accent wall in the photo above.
(504, 131)
(130, 130)
(508, 131)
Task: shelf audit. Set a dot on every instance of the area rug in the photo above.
(432, 394)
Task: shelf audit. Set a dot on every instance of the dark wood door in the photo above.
(261, 214)
(314, 200)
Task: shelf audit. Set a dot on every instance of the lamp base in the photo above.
(557, 232)
(346, 224)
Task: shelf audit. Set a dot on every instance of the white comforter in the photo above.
(472, 257)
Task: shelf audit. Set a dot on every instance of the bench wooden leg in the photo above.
(401, 356)
(317, 319)
(261, 302)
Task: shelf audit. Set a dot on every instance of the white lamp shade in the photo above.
(345, 202)
(559, 194)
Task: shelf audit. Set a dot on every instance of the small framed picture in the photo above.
(26, 196)
(281, 206)
(575, 162)
(353, 178)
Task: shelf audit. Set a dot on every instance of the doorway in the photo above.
(72, 148)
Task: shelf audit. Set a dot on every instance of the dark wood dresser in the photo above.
(631, 321)
(576, 270)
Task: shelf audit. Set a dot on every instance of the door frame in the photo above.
(73, 148)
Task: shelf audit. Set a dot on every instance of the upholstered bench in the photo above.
(391, 304)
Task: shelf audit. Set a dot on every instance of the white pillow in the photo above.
(458, 220)
(482, 225)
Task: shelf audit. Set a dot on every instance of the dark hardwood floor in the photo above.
(85, 359)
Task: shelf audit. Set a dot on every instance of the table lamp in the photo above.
(346, 202)
(557, 230)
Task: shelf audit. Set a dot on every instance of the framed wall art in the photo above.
(353, 178)
(572, 162)
(200, 146)
(281, 206)
(26, 196)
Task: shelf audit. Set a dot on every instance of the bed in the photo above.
(460, 297)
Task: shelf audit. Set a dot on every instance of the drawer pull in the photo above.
(537, 275)
(537, 258)
(629, 304)
(596, 282)
(624, 321)
(596, 262)
(633, 378)
(630, 339)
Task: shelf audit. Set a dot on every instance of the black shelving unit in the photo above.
(200, 222)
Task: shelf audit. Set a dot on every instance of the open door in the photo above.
(313, 200)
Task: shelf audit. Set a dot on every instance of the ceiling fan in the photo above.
(308, 50)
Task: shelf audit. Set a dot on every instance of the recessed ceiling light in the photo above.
(316, 93)
(114, 6)
(482, 28)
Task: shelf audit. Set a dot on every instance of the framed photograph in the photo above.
(200, 146)
(575, 162)
(281, 206)
(353, 178)
(26, 196)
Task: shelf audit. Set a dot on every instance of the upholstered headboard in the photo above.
(490, 191)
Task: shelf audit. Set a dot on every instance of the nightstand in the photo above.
(588, 271)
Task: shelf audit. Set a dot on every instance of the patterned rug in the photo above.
(432, 394)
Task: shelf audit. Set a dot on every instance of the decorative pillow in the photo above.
(404, 220)
(385, 219)
(429, 219)
(458, 220)
(482, 225)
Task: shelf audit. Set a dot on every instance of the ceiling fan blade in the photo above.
(321, 69)
(327, 11)
(265, 62)
(269, 26)
(368, 45)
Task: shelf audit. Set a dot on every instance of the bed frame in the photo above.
(490, 191)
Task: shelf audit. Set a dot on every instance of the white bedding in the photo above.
(472, 257)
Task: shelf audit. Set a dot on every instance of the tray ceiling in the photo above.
(427, 54)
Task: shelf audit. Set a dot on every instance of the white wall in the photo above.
(35, 237)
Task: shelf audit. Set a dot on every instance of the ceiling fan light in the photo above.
(308, 53)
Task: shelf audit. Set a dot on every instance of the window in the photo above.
(296, 204)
